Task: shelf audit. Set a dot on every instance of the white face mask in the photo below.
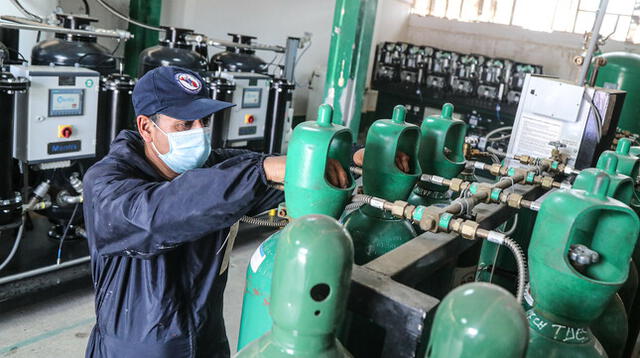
(187, 149)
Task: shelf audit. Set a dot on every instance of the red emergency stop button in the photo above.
(249, 118)
(65, 131)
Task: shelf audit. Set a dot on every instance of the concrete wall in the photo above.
(272, 21)
(554, 51)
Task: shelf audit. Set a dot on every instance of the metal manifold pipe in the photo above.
(19, 23)
(198, 38)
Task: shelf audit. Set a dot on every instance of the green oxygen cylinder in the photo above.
(622, 72)
(611, 326)
(578, 257)
(307, 191)
(441, 153)
(374, 231)
(630, 165)
(311, 279)
(478, 320)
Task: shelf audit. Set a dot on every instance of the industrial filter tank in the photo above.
(72, 50)
(173, 50)
(10, 200)
(220, 89)
(235, 59)
(622, 72)
(115, 109)
(279, 116)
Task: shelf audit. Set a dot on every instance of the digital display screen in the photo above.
(65, 102)
(251, 97)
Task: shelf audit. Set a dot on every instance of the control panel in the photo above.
(56, 119)
(248, 118)
(579, 121)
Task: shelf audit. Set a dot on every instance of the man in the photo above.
(158, 211)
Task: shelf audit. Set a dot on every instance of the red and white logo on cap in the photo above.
(188, 82)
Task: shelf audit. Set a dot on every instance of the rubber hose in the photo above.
(15, 245)
(263, 222)
(522, 266)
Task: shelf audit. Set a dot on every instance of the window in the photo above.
(621, 22)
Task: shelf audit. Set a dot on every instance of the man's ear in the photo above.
(144, 127)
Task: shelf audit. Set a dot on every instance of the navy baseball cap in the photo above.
(175, 92)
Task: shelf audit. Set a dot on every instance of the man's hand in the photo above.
(358, 157)
(402, 160)
(335, 174)
(274, 168)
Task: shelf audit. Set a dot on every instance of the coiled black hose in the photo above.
(263, 222)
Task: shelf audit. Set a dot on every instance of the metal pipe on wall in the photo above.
(25, 24)
(593, 41)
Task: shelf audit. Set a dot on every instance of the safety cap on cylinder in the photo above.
(385, 138)
(478, 317)
(589, 218)
(442, 145)
(624, 146)
(312, 145)
(312, 276)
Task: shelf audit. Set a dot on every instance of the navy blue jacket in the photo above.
(157, 249)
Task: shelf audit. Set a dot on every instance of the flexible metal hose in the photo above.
(263, 222)
(497, 130)
(352, 207)
(521, 263)
(362, 198)
(497, 152)
(15, 245)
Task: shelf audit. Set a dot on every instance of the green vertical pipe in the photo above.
(361, 63)
(343, 37)
(148, 12)
(351, 37)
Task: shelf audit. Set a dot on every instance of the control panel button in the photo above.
(249, 118)
(65, 131)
